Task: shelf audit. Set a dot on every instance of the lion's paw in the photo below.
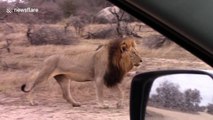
(76, 104)
(32, 103)
(103, 106)
(119, 105)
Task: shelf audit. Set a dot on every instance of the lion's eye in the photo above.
(132, 55)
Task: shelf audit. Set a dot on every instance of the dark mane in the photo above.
(115, 74)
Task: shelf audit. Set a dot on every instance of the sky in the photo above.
(203, 83)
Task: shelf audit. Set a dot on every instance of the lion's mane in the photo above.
(116, 70)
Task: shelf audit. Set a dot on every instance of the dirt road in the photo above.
(162, 114)
(51, 105)
(17, 108)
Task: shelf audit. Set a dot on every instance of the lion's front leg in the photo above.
(120, 96)
(99, 93)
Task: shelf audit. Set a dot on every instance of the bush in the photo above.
(78, 22)
(49, 13)
(169, 96)
(102, 34)
(49, 35)
(210, 108)
(156, 41)
(67, 7)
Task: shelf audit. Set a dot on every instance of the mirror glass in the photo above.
(181, 97)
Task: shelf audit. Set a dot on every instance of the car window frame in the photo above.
(187, 43)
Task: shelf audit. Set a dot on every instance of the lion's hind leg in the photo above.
(39, 77)
(64, 83)
(30, 98)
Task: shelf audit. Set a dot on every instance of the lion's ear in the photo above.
(123, 47)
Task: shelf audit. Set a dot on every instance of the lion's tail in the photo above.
(44, 73)
(23, 88)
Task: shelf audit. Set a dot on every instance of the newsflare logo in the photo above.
(9, 10)
(22, 10)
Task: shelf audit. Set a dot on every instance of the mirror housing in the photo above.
(141, 86)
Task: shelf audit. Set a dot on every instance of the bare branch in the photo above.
(7, 46)
(66, 27)
(121, 17)
(29, 33)
(3, 17)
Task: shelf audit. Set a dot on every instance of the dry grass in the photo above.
(17, 66)
(24, 60)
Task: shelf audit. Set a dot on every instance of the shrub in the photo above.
(156, 41)
(102, 34)
(210, 108)
(50, 35)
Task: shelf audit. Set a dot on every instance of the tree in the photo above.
(210, 108)
(168, 95)
(49, 10)
(67, 7)
(192, 99)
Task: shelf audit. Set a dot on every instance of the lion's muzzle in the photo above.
(138, 64)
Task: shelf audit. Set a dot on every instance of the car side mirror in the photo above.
(156, 95)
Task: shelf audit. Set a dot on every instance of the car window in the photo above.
(61, 50)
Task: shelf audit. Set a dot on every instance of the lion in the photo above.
(107, 65)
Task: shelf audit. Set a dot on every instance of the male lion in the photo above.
(107, 65)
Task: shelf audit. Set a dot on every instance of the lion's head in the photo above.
(129, 55)
(123, 56)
